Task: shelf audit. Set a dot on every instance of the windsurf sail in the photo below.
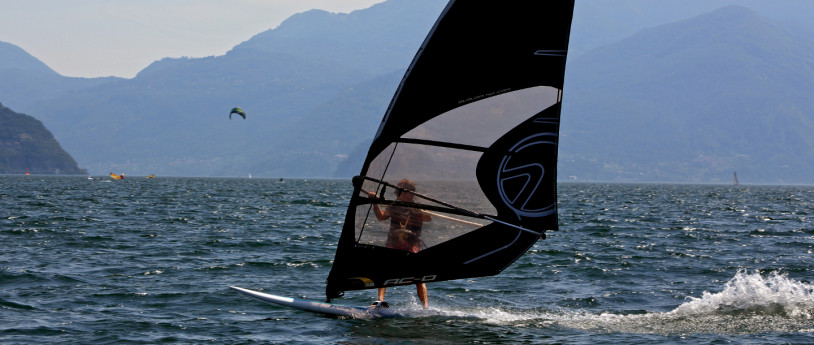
(117, 177)
(460, 179)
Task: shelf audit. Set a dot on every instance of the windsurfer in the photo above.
(405, 229)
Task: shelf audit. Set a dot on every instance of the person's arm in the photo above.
(380, 215)
(426, 217)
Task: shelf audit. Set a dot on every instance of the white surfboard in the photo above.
(321, 307)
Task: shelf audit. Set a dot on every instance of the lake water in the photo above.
(150, 261)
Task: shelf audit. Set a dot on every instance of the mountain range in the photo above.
(689, 100)
(693, 101)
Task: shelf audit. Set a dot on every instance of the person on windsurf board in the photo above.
(405, 231)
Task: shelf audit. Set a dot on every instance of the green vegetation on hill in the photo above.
(27, 146)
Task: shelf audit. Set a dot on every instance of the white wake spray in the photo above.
(749, 303)
(751, 293)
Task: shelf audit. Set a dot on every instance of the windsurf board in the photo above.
(321, 307)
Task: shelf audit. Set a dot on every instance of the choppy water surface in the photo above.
(150, 261)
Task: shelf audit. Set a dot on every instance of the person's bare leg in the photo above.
(421, 289)
(381, 294)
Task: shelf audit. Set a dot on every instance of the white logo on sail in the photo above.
(521, 173)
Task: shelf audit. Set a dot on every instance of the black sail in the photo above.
(474, 126)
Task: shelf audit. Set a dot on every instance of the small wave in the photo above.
(754, 294)
(7, 304)
(312, 202)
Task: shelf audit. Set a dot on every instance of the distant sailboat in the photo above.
(735, 175)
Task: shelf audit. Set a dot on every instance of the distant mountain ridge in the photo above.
(688, 101)
(372, 39)
(171, 119)
(700, 98)
(25, 80)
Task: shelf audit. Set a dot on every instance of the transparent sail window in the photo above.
(483, 122)
(441, 173)
(440, 176)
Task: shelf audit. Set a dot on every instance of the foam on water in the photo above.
(749, 303)
(754, 294)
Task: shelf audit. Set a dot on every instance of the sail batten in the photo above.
(460, 179)
(442, 144)
(446, 207)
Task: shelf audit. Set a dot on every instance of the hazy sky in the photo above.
(92, 38)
